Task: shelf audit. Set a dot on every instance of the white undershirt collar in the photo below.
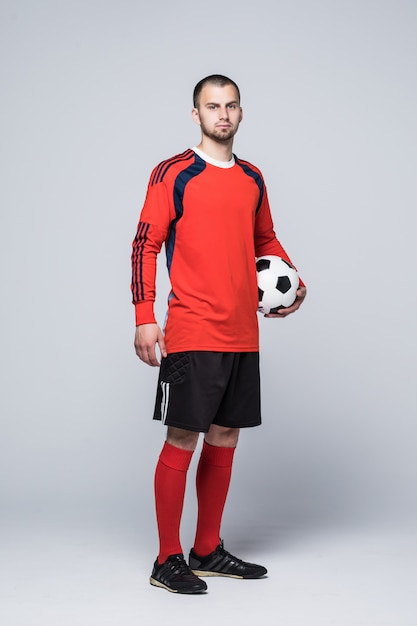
(215, 162)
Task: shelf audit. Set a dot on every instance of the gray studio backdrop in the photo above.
(94, 94)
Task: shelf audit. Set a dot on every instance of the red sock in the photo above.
(213, 478)
(170, 480)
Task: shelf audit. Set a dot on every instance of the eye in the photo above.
(232, 106)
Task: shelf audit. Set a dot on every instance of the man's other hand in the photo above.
(146, 338)
(301, 294)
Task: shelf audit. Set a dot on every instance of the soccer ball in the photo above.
(277, 284)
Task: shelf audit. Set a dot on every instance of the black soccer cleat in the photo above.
(174, 575)
(222, 563)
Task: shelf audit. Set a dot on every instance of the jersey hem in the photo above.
(174, 349)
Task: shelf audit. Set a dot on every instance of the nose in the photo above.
(223, 113)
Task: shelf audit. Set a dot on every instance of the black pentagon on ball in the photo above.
(262, 264)
(260, 294)
(275, 309)
(283, 284)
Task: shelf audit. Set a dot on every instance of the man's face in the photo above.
(219, 113)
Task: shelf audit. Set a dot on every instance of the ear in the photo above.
(195, 115)
(241, 115)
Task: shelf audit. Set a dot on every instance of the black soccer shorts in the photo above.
(197, 389)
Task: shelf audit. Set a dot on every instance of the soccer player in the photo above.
(210, 209)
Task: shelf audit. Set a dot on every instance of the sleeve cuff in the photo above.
(144, 313)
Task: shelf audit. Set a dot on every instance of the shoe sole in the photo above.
(202, 574)
(156, 583)
(199, 572)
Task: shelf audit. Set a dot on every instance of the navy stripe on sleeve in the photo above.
(139, 243)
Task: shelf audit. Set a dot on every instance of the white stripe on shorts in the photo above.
(164, 400)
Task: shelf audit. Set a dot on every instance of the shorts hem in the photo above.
(245, 425)
(182, 426)
(201, 430)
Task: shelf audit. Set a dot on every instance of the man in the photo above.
(211, 210)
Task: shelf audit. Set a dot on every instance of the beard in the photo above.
(219, 135)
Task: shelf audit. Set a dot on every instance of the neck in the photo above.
(221, 151)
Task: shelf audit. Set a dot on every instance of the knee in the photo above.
(180, 438)
(222, 437)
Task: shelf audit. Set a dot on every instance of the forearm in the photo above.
(146, 246)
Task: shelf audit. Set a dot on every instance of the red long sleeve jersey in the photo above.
(214, 221)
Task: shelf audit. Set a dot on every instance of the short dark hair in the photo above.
(213, 79)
